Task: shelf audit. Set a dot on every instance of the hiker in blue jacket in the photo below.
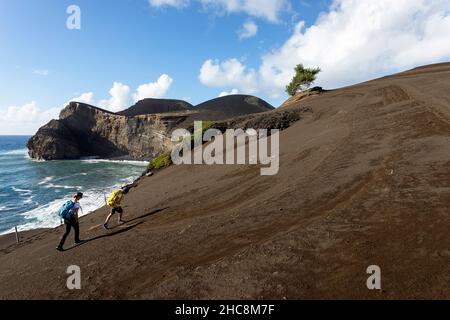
(69, 212)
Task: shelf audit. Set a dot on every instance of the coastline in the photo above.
(41, 215)
(9, 239)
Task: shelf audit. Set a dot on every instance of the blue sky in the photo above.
(197, 49)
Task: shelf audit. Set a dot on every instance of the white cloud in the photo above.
(249, 30)
(28, 118)
(119, 100)
(225, 93)
(41, 72)
(355, 41)
(229, 73)
(266, 9)
(87, 97)
(121, 96)
(359, 40)
(25, 119)
(156, 89)
(171, 3)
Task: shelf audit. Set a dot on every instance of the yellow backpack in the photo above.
(115, 198)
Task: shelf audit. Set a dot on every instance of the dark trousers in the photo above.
(69, 225)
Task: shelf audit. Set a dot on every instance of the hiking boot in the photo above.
(80, 241)
(105, 226)
(121, 222)
(59, 248)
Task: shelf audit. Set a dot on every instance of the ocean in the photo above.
(31, 192)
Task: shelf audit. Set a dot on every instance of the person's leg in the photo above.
(66, 233)
(76, 227)
(109, 217)
(105, 225)
(119, 219)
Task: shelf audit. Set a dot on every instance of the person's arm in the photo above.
(75, 211)
(75, 214)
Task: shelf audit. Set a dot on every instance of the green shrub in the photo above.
(162, 161)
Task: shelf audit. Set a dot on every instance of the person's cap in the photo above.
(126, 189)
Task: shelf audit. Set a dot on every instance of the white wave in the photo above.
(17, 152)
(57, 186)
(23, 192)
(71, 176)
(28, 201)
(46, 216)
(132, 162)
(46, 180)
(127, 180)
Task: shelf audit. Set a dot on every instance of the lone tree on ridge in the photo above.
(302, 80)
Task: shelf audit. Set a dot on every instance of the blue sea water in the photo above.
(31, 192)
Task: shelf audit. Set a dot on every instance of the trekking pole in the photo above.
(17, 235)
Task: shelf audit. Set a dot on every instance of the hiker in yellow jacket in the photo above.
(114, 200)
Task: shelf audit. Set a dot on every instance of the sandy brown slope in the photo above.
(364, 179)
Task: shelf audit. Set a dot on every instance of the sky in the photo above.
(115, 53)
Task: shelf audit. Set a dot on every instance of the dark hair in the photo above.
(78, 195)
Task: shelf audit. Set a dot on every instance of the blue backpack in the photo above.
(66, 210)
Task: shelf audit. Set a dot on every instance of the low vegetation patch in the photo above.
(162, 161)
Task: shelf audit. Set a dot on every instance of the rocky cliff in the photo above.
(83, 130)
(140, 132)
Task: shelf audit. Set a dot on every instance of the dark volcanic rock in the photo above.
(84, 130)
(140, 132)
(53, 141)
(156, 106)
(277, 119)
(228, 107)
(233, 106)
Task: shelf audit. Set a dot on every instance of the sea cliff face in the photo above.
(83, 130)
(140, 132)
